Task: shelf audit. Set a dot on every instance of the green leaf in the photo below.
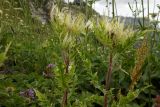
(2, 76)
(41, 97)
(2, 58)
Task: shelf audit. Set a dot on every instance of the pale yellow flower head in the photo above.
(73, 25)
(109, 32)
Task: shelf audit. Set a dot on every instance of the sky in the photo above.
(123, 7)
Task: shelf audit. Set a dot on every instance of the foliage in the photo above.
(40, 63)
(3, 55)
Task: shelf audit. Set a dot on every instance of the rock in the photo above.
(41, 12)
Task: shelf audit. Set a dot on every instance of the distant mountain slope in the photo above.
(43, 11)
(132, 21)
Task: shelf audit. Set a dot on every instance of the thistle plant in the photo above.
(69, 27)
(86, 52)
(111, 34)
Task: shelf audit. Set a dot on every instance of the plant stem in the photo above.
(108, 7)
(64, 101)
(108, 78)
(148, 9)
(113, 3)
(143, 11)
(109, 73)
(116, 11)
(150, 63)
(149, 80)
(65, 95)
(86, 8)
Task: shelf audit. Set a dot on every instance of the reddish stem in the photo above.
(108, 78)
(64, 101)
(65, 95)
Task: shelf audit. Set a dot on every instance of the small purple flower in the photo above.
(48, 71)
(49, 66)
(29, 93)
